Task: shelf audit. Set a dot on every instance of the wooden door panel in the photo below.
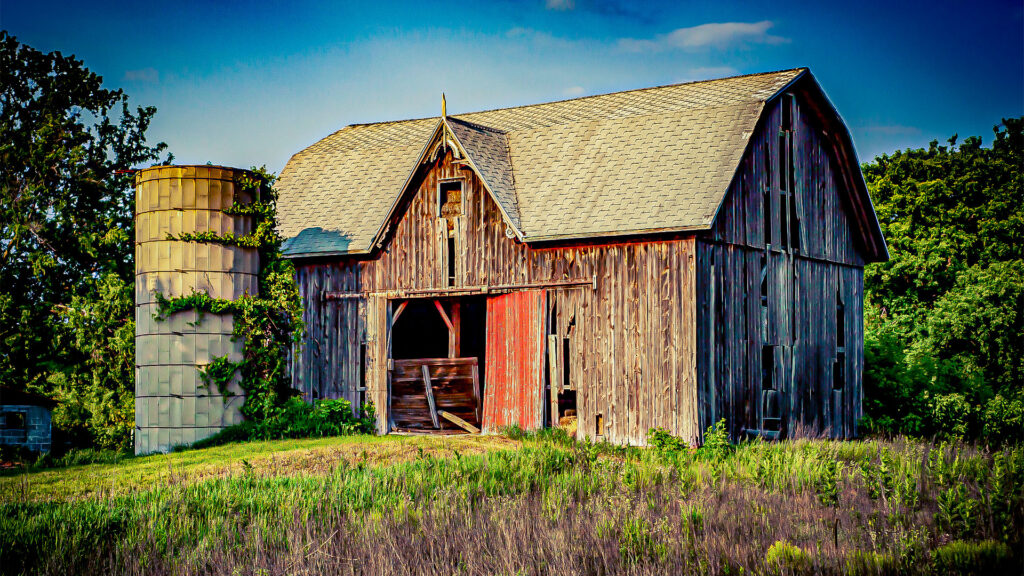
(514, 371)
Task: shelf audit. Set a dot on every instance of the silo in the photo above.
(173, 406)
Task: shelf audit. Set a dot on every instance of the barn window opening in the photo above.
(764, 297)
(449, 198)
(451, 261)
(599, 425)
(787, 111)
(839, 371)
(567, 356)
(566, 404)
(783, 161)
(766, 197)
(764, 282)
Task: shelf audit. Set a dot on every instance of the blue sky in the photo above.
(250, 83)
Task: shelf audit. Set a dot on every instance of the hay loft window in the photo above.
(449, 199)
(449, 207)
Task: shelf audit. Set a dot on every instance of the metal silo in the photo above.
(172, 404)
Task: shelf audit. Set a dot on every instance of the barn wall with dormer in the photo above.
(628, 324)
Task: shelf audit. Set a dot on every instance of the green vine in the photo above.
(269, 323)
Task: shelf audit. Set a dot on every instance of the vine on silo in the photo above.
(269, 323)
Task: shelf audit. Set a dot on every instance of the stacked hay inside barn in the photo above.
(173, 405)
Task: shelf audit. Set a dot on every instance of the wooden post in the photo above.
(554, 375)
(452, 336)
(430, 396)
(456, 318)
(476, 391)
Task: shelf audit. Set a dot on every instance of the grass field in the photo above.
(540, 504)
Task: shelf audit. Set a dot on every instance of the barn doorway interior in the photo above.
(437, 351)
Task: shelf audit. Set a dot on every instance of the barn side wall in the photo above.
(632, 353)
(802, 285)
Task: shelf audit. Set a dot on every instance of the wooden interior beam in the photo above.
(456, 318)
(398, 312)
(452, 337)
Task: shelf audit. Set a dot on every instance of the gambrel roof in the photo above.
(637, 162)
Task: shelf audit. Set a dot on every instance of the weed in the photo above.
(784, 557)
(973, 558)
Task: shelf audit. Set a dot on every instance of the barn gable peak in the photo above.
(482, 149)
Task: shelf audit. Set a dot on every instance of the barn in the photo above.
(664, 257)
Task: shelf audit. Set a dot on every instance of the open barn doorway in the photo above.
(437, 356)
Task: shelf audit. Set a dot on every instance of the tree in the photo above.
(945, 315)
(66, 146)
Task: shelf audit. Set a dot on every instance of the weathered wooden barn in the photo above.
(664, 257)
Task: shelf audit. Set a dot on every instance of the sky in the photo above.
(251, 83)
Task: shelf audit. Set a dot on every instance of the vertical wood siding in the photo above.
(802, 290)
(632, 347)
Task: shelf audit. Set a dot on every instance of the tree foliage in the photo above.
(66, 256)
(945, 315)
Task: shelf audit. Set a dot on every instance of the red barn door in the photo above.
(514, 371)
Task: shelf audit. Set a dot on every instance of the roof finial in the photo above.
(444, 107)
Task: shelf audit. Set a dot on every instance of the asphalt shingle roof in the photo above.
(628, 162)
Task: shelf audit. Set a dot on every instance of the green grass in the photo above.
(540, 504)
(275, 457)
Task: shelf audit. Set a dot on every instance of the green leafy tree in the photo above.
(66, 144)
(945, 315)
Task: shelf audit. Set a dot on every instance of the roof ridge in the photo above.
(478, 125)
(658, 87)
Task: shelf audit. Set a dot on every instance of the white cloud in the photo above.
(574, 91)
(560, 5)
(148, 75)
(711, 35)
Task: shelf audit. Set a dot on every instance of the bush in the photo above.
(664, 442)
(297, 419)
(716, 441)
(973, 558)
(1003, 420)
(952, 416)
